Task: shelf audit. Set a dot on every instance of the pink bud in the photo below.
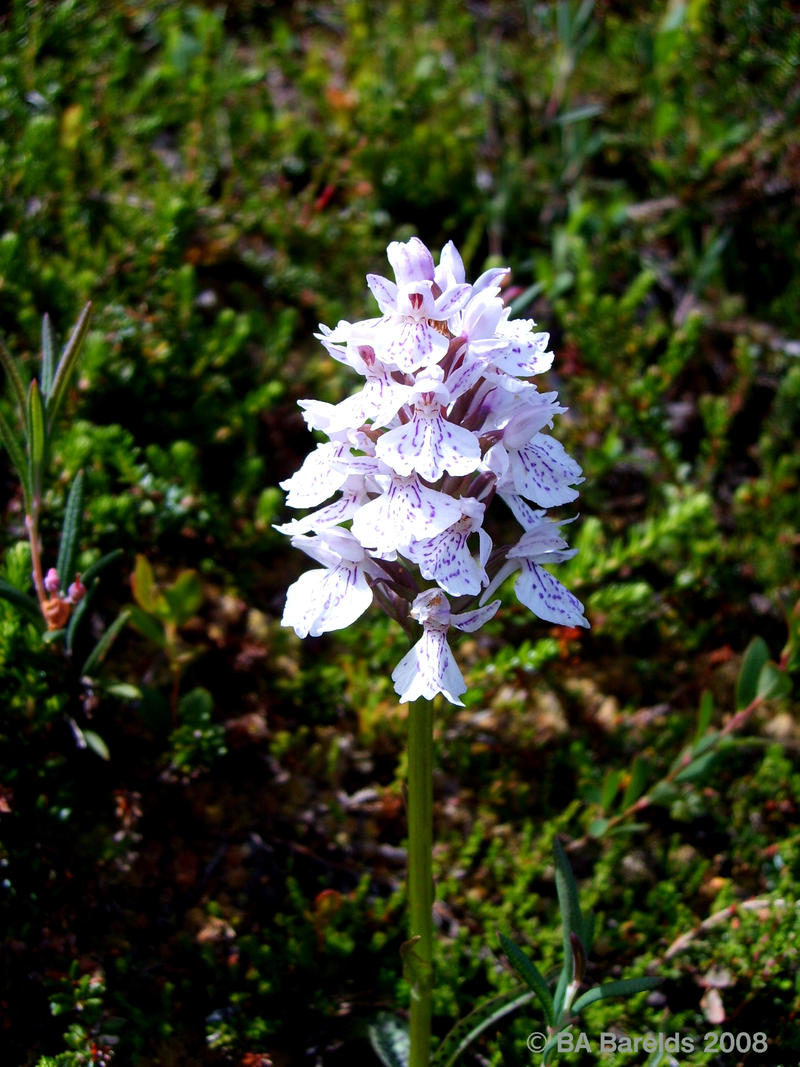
(76, 591)
(51, 582)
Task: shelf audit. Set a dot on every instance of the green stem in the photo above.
(420, 876)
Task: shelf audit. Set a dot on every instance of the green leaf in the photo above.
(473, 1025)
(24, 603)
(755, 657)
(95, 657)
(626, 987)
(636, 783)
(143, 583)
(610, 787)
(124, 691)
(567, 889)
(389, 1039)
(100, 565)
(148, 626)
(37, 438)
(14, 377)
(696, 769)
(704, 714)
(706, 743)
(96, 744)
(184, 597)
(16, 454)
(196, 704)
(48, 355)
(663, 793)
(70, 532)
(773, 682)
(790, 656)
(598, 827)
(90, 582)
(531, 975)
(66, 365)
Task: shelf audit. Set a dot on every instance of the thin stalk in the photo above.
(32, 524)
(420, 876)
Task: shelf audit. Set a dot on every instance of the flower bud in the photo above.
(76, 591)
(51, 582)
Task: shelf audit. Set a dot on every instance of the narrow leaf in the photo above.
(704, 714)
(66, 365)
(755, 657)
(17, 456)
(389, 1039)
(70, 532)
(97, 744)
(473, 1025)
(89, 579)
(14, 377)
(626, 987)
(95, 657)
(567, 889)
(36, 435)
(530, 974)
(636, 783)
(24, 603)
(48, 355)
(610, 786)
(99, 565)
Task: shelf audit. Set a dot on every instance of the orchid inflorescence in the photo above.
(446, 421)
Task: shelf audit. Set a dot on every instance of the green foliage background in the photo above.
(226, 887)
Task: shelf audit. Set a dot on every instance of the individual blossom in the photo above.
(430, 667)
(447, 425)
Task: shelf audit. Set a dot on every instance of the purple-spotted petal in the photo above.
(473, 620)
(407, 510)
(547, 598)
(410, 343)
(427, 669)
(430, 446)
(324, 600)
(543, 472)
(322, 474)
(384, 291)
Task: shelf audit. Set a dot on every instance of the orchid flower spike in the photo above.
(447, 422)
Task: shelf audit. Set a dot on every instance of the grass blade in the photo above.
(48, 355)
(70, 531)
(66, 365)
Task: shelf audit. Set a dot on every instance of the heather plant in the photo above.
(62, 594)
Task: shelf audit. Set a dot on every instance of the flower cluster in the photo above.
(58, 608)
(446, 421)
